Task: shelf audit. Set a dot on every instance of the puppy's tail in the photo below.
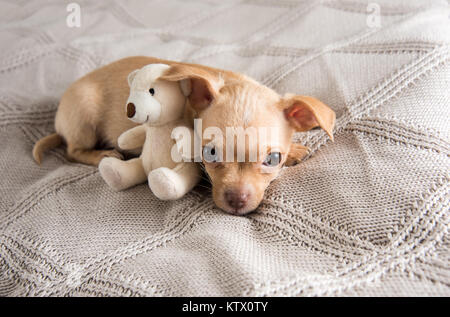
(46, 143)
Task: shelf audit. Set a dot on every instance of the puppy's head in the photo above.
(152, 100)
(246, 131)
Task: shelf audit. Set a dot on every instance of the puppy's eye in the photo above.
(151, 91)
(210, 154)
(273, 159)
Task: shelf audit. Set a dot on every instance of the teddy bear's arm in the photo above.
(184, 143)
(133, 138)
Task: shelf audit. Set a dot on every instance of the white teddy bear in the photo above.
(159, 106)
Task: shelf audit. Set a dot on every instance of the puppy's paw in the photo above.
(111, 175)
(296, 153)
(165, 184)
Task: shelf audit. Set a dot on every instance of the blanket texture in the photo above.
(365, 215)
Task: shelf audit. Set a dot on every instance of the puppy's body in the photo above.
(91, 114)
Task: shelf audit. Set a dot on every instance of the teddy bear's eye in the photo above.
(151, 91)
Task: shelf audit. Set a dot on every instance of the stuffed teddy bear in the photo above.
(159, 106)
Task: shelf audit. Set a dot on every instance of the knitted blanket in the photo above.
(365, 215)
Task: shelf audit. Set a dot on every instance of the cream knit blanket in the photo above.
(367, 215)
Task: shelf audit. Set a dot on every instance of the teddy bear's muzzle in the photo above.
(142, 108)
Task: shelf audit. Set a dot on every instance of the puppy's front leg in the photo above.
(296, 153)
(133, 138)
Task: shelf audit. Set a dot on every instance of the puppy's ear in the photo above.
(131, 76)
(306, 113)
(200, 85)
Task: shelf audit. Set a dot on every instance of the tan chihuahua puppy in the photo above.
(92, 112)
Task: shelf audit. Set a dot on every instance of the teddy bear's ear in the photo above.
(131, 76)
(200, 85)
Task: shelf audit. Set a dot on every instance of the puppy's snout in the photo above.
(131, 110)
(237, 199)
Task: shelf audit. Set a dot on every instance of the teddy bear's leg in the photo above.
(171, 184)
(120, 174)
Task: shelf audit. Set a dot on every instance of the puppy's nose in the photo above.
(131, 110)
(237, 199)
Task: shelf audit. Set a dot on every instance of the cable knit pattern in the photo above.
(365, 215)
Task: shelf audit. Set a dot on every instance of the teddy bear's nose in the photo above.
(131, 110)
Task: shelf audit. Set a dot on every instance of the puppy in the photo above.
(232, 102)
